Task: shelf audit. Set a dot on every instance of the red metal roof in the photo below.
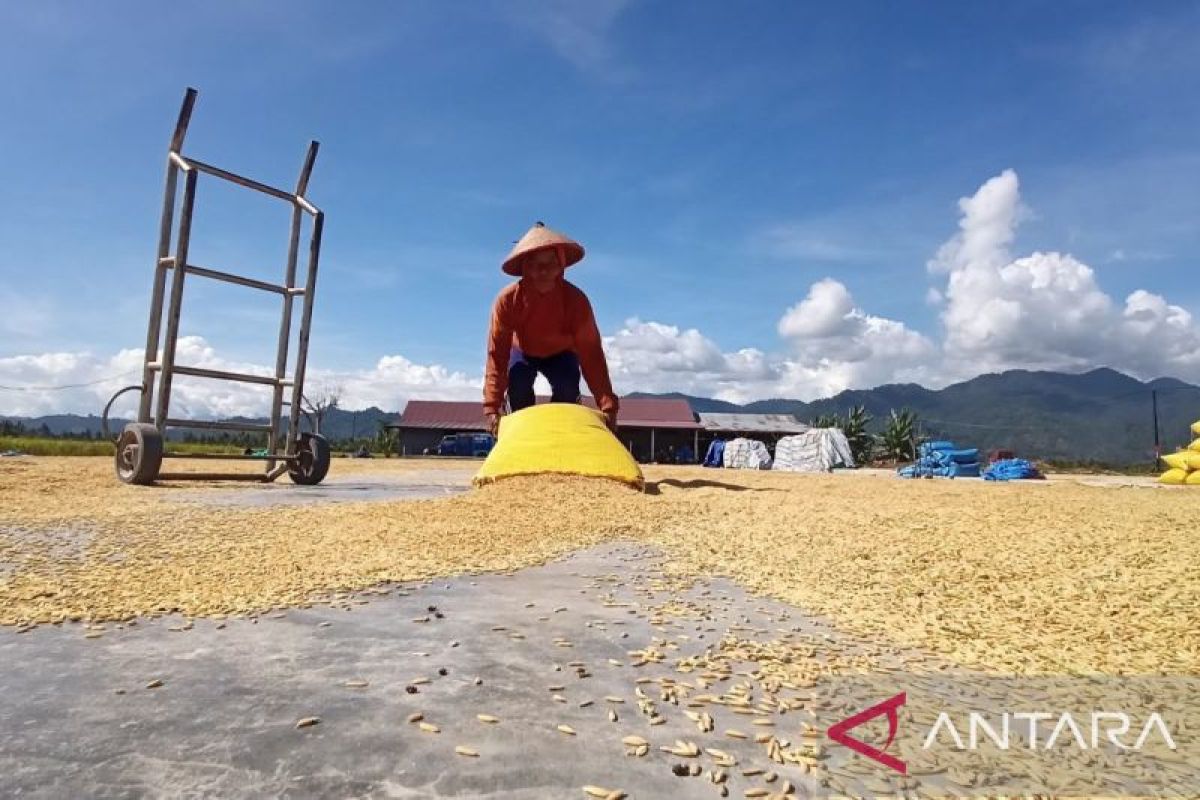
(443, 415)
(653, 412)
(636, 412)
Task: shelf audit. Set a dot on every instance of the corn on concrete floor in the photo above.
(77, 718)
(536, 649)
(1045, 577)
(1113, 588)
(412, 485)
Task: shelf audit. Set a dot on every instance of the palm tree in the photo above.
(899, 437)
(826, 421)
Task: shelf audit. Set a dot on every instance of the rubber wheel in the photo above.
(139, 453)
(312, 460)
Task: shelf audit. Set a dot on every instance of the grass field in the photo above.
(45, 446)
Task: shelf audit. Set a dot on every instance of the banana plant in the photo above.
(826, 421)
(899, 437)
(862, 444)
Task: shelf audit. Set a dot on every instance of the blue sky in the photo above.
(719, 161)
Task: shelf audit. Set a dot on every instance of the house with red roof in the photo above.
(654, 429)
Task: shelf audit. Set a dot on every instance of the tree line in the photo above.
(383, 441)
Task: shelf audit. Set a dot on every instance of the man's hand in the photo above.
(610, 419)
(493, 421)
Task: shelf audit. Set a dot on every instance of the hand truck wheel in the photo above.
(312, 460)
(139, 453)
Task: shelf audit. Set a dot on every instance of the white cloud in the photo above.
(831, 345)
(395, 380)
(836, 345)
(827, 311)
(987, 228)
(63, 382)
(1045, 310)
(1163, 337)
(92, 379)
(654, 357)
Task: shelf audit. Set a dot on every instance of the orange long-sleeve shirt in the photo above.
(542, 325)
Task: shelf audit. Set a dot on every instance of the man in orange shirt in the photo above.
(544, 324)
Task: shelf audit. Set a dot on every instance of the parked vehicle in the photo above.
(470, 445)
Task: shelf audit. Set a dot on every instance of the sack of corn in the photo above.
(1181, 460)
(1194, 446)
(1193, 478)
(562, 438)
(1196, 428)
(1175, 477)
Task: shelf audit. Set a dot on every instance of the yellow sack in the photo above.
(1194, 446)
(1196, 428)
(1193, 479)
(1181, 460)
(1175, 477)
(561, 438)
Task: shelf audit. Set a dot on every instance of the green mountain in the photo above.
(1102, 415)
(337, 425)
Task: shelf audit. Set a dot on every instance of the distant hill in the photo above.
(701, 405)
(338, 424)
(1100, 415)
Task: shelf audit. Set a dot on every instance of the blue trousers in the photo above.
(561, 369)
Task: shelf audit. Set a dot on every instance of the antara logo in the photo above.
(1105, 728)
(839, 733)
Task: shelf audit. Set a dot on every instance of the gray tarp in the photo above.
(816, 450)
(746, 454)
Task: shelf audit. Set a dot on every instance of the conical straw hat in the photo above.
(539, 237)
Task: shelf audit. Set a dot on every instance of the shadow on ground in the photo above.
(653, 487)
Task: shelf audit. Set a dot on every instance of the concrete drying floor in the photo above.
(421, 484)
(77, 718)
(172, 708)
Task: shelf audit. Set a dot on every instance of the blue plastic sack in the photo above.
(970, 456)
(1011, 469)
(943, 459)
(964, 470)
(715, 454)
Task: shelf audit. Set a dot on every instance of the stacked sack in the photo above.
(1184, 466)
(943, 460)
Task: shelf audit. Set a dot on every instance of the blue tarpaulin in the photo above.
(716, 453)
(1011, 469)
